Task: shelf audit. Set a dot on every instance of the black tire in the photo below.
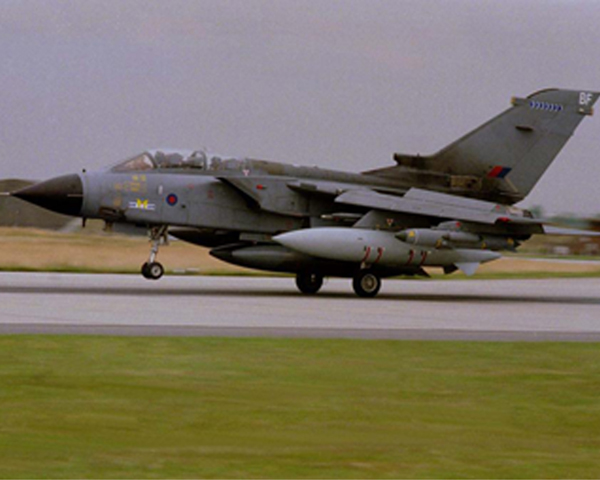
(152, 271)
(366, 284)
(145, 270)
(309, 283)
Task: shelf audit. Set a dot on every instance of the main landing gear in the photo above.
(366, 284)
(309, 282)
(152, 270)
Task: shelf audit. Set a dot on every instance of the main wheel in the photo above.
(366, 284)
(309, 283)
(152, 271)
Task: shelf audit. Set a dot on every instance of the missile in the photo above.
(430, 238)
(370, 247)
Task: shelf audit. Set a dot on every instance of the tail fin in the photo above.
(508, 154)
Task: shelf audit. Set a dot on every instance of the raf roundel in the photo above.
(172, 199)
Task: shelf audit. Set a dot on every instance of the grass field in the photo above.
(81, 407)
(31, 250)
(38, 250)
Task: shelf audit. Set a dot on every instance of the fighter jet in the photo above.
(453, 209)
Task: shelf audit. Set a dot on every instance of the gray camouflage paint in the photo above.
(239, 205)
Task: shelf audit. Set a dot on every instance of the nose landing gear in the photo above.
(152, 270)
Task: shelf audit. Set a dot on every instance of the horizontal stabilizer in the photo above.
(552, 230)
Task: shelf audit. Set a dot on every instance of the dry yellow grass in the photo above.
(38, 249)
(32, 249)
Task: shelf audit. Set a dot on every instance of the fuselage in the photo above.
(228, 194)
(237, 207)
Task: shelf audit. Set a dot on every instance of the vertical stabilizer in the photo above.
(506, 156)
(518, 145)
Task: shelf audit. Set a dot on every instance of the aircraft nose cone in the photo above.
(61, 194)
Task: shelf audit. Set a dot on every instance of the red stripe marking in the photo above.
(379, 254)
(366, 255)
(423, 258)
(411, 255)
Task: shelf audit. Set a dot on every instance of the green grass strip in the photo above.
(103, 407)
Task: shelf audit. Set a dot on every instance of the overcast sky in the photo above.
(340, 84)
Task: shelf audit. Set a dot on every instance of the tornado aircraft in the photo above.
(453, 209)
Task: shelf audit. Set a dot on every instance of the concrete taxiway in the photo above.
(532, 310)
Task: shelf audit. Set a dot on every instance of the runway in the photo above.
(503, 310)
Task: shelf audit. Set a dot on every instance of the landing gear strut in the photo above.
(152, 270)
(309, 282)
(366, 284)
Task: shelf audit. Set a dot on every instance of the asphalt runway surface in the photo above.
(502, 310)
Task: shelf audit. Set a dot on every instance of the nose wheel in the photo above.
(152, 270)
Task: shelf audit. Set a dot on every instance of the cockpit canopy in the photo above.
(163, 159)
